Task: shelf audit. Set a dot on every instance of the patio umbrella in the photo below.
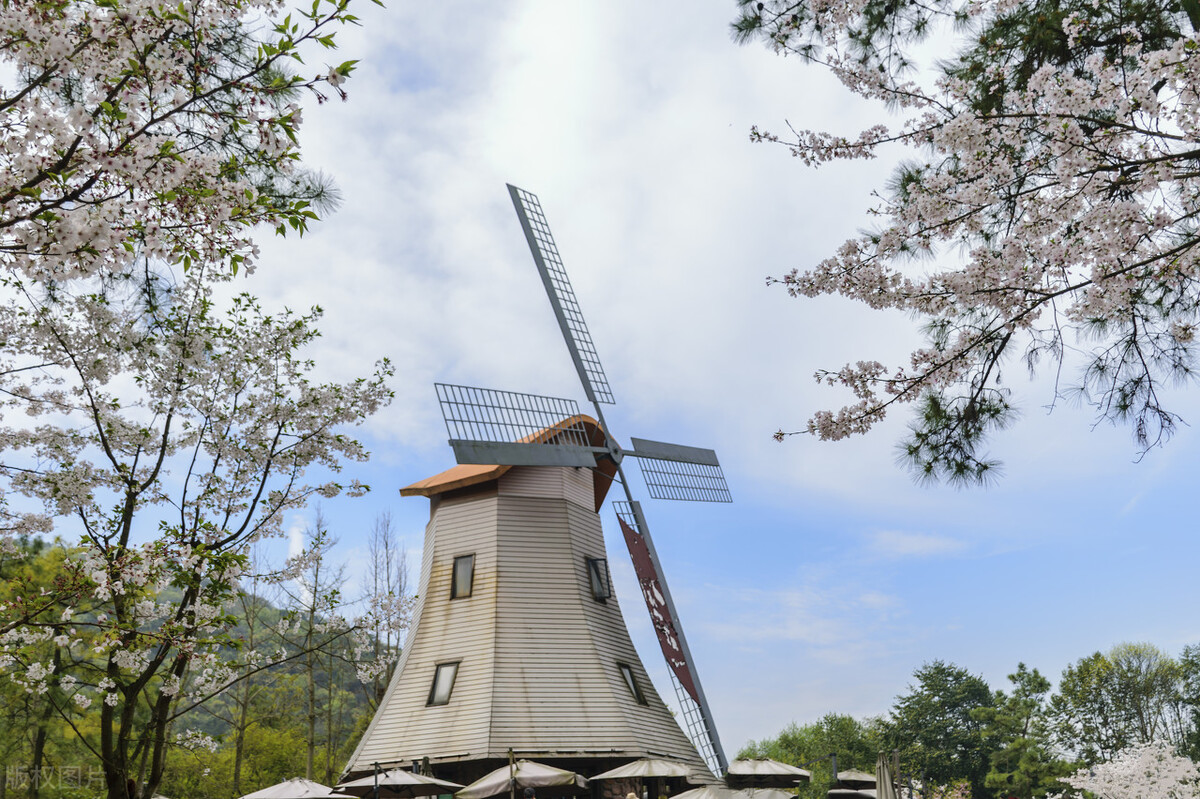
(522, 774)
(647, 767)
(725, 792)
(711, 792)
(855, 779)
(764, 773)
(765, 793)
(297, 788)
(885, 785)
(398, 784)
(850, 793)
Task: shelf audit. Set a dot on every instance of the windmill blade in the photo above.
(506, 427)
(516, 454)
(696, 714)
(673, 471)
(660, 450)
(562, 296)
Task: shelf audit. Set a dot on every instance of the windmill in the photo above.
(487, 426)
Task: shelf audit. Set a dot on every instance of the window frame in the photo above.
(455, 592)
(630, 680)
(599, 578)
(437, 672)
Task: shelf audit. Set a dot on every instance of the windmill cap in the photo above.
(465, 475)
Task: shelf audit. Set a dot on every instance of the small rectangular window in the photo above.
(598, 575)
(443, 683)
(631, 683)
(463, 577)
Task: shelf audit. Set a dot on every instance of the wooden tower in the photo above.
(518, 644)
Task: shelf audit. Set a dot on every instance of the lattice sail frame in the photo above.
(696, 482)
(486, 414)
(562, 296)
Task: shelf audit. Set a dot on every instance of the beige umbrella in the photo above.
(522, 774)
(766, 793)
(711, 792)
(855, 779)
(297, 788)
(725, 792)
(885, 784)
(398, 784)
(850, 793)
(764, 773)
(647, 767)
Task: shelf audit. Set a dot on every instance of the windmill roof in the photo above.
(470, 474)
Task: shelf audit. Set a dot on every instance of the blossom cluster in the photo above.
(149, 129)
(1144, 771)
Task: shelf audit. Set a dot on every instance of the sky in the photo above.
(832, 575)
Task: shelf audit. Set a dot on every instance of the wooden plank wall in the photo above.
(538, 654)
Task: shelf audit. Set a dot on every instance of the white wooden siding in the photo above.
(446, 630)
(539, 655)
(551, 482)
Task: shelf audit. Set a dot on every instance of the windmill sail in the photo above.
(672, 471)
(562, 296)
(696, 714)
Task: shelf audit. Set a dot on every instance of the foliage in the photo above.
(1048, 213)
(1109, 702)
(1127, 712)
(936, 727)
(1189, 696)
(1023, 764)
(268, 742)
(854, 743)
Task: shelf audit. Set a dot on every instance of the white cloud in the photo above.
(296, 536)
(904, 544)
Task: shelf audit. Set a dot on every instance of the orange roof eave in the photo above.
(461, 476)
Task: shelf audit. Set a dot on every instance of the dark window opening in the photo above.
(631, 683)
(463, 577)
(598, 576)
(443, 683)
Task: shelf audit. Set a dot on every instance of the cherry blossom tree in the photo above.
(151, 129)
(1147, 771)
(171, 435)
(143, 143)
(1047, 215)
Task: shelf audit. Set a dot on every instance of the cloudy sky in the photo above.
(832, 576)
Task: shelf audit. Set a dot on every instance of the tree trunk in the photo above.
(329, 720)
(312, 707)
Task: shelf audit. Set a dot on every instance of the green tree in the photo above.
(38, 745)
(1189, 665)
(936, 730)
(1023, 764)
(855, 743)
(1109, 702)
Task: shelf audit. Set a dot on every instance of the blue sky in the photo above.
(832, 576)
